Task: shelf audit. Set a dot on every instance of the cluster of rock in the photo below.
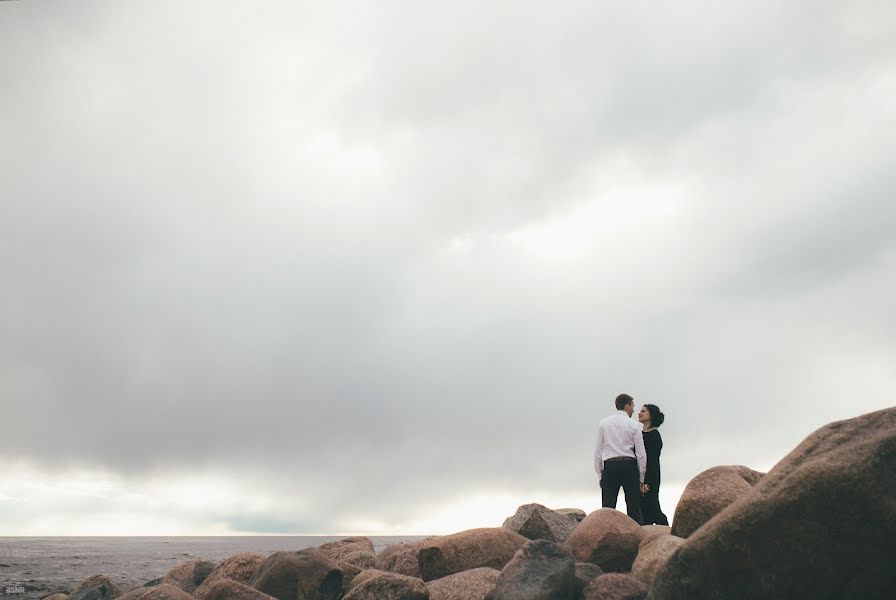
(821, 524)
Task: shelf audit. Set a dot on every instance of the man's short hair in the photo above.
(622, 400)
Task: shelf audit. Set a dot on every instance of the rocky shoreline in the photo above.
(820, 524)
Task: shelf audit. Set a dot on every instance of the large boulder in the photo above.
(315, 576)
(820, 524)
(576, 513)
(540, 570)
(707, 494)
(97, 587)
(586, 573)
(607, 538)
(374, 584)
(486, 547)
(239, 567)
(402, 557)
(474, 584)
(189, 575)
(57, 596)
(164, 591)
(654, 531)
(350, 546)
(228, 589)
(538, 522)
(652, 555)
(616, 586)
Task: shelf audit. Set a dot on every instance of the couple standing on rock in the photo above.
(627, 455)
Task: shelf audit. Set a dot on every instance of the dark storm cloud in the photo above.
(417, 249)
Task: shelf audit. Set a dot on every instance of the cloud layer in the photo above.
(365, 264)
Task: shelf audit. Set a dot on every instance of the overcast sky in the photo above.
(382, 267)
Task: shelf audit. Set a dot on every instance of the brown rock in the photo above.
(97, 587)
(487, 547)
(164, 591)
(538, 522)
(607, 538)
(540, 570)
(315, 576)
(189, 574)
(59, 596)
(239, 567)
(337, 551)
(654, 531)
(374, 584)
(228, 589)
(586, 573)
(474, 584)
(652, 555)
(707, 494)
(615, 586)
(820, 524)
(401, 558)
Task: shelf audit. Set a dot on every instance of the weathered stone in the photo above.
(540, 570)
(615, 586)
(654, 531)
(164, 591)
(576, 513)
(189, 574)
(315, 576)
(538, 522)
(133, 594)
(374, 584)
(585, 574)
(652, 555)
(228, 589)
(401, 558)
(710, 492)
(607, 538)
(474, 584)
(239, 567)
(154, 582)
(487, 547)
(97, 587)
(337, 551)
(820, 524)
(59, 596)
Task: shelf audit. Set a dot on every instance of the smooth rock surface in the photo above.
(239, 567)
(315, 576)
(586, 573)
(710, 492)
(228, 589)
(608, 538)
(474, 584)
(189, 575)
(616, 586)
(821, 524)
(374, 584)
(540, 570)
(486, 547)
(97, 587)
(538, 522)
(350, 546)
(652, 556)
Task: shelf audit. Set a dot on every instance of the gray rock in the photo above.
(586, 573)
(540, 570)
(538, 522)
(97, 587)
(576, 513)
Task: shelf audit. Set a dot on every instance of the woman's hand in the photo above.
(644, 488)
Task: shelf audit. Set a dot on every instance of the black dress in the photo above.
(650, 502)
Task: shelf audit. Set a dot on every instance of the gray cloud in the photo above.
(417, 249)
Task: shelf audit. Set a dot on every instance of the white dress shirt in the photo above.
(619, 435)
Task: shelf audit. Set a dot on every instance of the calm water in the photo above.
(44, 566)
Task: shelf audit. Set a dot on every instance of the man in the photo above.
(620, 459)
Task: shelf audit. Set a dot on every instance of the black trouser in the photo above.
(624, 474)
(650, 507)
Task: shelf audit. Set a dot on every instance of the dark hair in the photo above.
(656, 415)
(622, 400)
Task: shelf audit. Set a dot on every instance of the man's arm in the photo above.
(598, 452)
(640, 453)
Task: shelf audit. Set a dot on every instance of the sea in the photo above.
(34, 567)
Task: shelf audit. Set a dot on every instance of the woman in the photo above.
(651, 417)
